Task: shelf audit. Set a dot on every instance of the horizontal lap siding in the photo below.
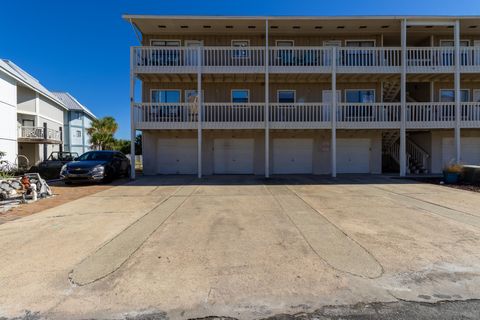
(220, 92)
(259, 40)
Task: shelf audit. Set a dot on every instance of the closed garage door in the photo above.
(353, 155)
(176, 156)
(233, 156)
(292, 156)
(469, 147)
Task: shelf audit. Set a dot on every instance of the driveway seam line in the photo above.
(344, 233)
(311, 247)
(117, 235)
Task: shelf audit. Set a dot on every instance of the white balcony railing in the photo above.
(369, 114)
(471, 114)
(300, 115)
(248, 115)
(299, 112)
(38, 133)
(233, 56)
(430, 114)
(430, 58)
(380, 58)
(302, 59)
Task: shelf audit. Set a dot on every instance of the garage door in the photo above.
(353, 155)
(233, 156)
(292, 156)
(469, 146)
(176, 156)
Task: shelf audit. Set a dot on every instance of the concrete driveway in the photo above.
(246, 248)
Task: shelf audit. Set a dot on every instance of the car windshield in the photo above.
(89, 156)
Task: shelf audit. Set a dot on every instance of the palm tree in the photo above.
(101, 133)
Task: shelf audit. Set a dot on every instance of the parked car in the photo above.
(50, 168)
(96, 166)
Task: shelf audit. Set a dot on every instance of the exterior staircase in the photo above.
(417, 158)
(391, 90)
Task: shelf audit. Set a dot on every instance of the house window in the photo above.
(360, 96)
(451, 43)
(448, 95)
(166, 96)
(240, 53)
(28, 123)
(284, 43)
(286, 96)
(240, 96)
(166, 43)
(360, 43)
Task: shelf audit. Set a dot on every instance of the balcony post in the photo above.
(61, 138)
(199, 111)
(458, 97)
(333, 143)
(267, 101)
(132, 120)
(45, 137)
(403, 99)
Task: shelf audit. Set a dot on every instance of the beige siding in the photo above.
(51, 110)
(25, 99)
(259, 40)
(221, 92)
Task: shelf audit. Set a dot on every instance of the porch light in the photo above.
(273, 27)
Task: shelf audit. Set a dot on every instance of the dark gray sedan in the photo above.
(96, 166)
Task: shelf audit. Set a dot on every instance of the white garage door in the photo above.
(353, 155)
(469, 147)
(292, 156)
(176, 156)
(233, 156)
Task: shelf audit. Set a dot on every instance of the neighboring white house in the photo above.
(77, 120)
(31, 121)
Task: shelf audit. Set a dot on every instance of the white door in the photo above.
(176, 156)
(292, 156)
(353, 155)
(327, 99)
(191, 56)
(233, 156)
(469, 147)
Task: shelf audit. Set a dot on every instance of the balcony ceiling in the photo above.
(292, 25)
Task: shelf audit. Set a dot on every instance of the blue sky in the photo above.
(81, 46)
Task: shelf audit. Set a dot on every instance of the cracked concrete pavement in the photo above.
(246, 248)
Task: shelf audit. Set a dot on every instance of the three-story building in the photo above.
(306, 95)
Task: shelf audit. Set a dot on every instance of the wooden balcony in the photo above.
(428, 115)
(302, 60)
(39, 135)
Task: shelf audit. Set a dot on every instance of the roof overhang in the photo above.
(165, 24)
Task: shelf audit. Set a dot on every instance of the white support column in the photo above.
(458, 97)
(403, 100)
(267, 104)
(200, 111)
(132, 119)
(333, 147)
